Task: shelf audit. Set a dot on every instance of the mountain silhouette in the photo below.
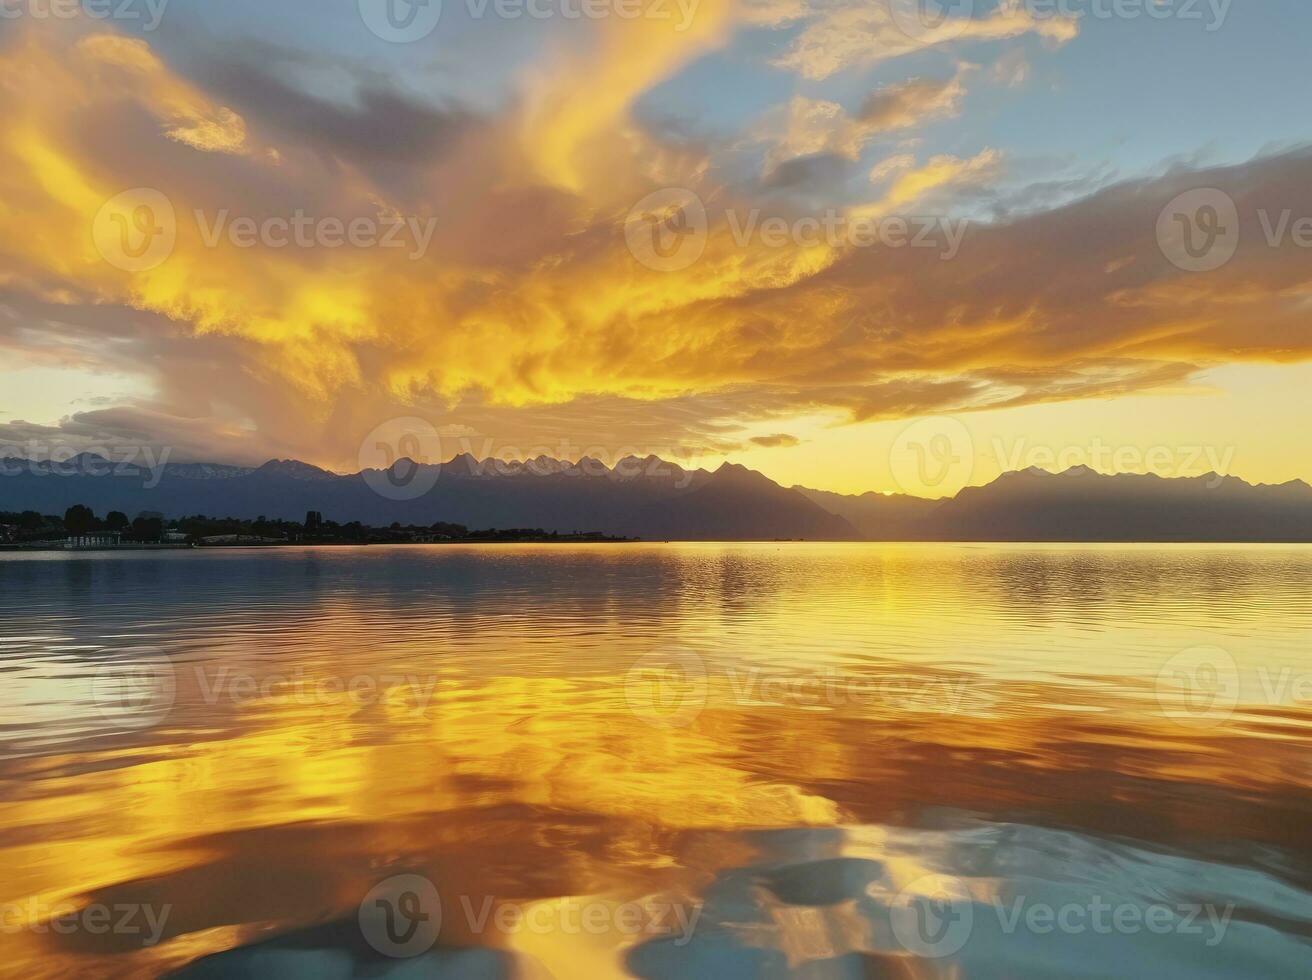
(654, 499)
(877, 516)
(648, 498)
(1080, 504)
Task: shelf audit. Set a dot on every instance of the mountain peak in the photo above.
(650, 465)
(294, 469)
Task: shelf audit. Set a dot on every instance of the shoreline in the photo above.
(261, 546)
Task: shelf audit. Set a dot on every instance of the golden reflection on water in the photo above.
(540, 724)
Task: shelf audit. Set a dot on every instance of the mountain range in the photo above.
(654, 499)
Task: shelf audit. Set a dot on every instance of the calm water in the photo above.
(668, 761)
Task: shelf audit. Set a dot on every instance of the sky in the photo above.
(859, 245)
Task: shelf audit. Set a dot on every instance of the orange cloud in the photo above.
(571, 138)
(861, 33)
(514, 294)
(806, 127)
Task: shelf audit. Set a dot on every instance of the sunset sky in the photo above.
(513, 310)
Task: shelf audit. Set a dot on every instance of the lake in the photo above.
(661, 761)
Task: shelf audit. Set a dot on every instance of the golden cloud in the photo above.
(512, 287)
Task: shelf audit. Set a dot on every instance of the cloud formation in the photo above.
(807, 127)
(525, 314)
(856, 33)
(775, 440)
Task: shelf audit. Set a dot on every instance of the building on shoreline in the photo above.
(93, 541)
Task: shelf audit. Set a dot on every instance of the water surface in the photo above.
(662, 761)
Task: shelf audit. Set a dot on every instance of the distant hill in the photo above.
(657, 500)
(736, 503)
(877, 516)
(1082, 505)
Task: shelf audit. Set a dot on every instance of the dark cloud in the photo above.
(134, 432)
(818, 171)
(381, 127)
(775, 441)
(897, 106)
